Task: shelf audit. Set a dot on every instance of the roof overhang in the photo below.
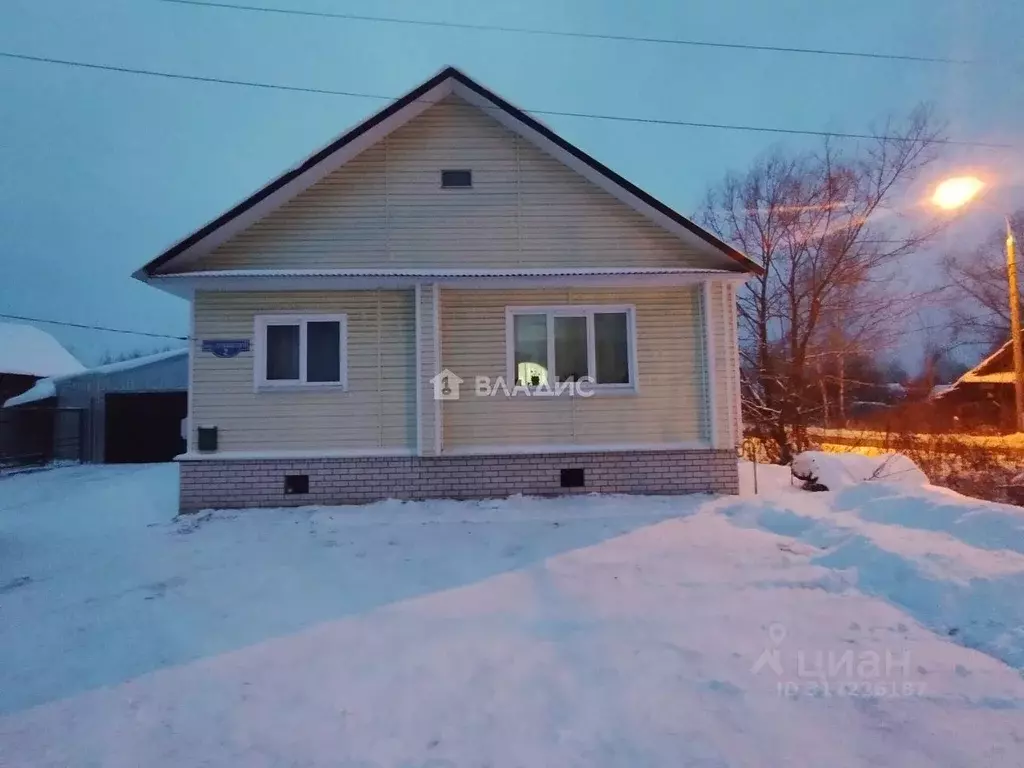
(185, 284)
(999, 377)
(450, 81)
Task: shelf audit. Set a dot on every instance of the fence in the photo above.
(40, 435)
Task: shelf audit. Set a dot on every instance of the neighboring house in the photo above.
(453, 234)
(984, 396)
(126, 412)
(28, 354)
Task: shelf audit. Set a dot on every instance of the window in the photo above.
(456, 179)
(550, 345)
(300, 350)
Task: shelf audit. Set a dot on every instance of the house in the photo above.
(984, 396)
(130, 411)
(592, 327)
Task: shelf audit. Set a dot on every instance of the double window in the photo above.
(301, 350)
(551, 345)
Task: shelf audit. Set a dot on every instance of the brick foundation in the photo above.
(212, 483)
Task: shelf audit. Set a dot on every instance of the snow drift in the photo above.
(835, 471)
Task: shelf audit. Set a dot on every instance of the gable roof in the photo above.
(997, 368)
(31, 351)
(401, 111)
(999, 361)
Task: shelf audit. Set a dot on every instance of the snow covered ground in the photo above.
(879, 625)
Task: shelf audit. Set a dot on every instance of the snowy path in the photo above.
(590, 632)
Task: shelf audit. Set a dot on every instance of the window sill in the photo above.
(299, 387)
(595, 390)
(614, 391)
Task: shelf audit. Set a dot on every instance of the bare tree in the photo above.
(979, 303)
(820, 225)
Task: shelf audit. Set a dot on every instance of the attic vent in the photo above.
(456, 179)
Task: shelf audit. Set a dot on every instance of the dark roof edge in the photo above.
(449, 72)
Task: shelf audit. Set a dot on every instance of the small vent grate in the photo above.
(573, 478)
(296, 484)
(456, 179)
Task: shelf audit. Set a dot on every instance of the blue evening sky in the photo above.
(100, 171)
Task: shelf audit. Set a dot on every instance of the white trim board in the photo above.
(710, 362)
(345, 453)
(418, 313)
(503, 450)
(490, 450)
(190, 441)
(435, 292)
(186, 284)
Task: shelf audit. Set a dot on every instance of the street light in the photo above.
(955, 193)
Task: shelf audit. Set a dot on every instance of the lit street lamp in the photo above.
(955, 193)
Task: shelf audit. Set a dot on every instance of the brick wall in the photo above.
(260, 483)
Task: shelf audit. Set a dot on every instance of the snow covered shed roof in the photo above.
(29, 351)
(47, 388)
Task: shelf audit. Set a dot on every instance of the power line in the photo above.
(552, 112)
(93, 327)
(583, 35)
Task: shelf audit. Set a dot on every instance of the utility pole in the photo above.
(1015, 339)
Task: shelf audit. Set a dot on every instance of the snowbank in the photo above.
(836, 471)
(29, 351)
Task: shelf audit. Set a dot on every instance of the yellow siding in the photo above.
(386, 208)
(667, 408)
(377, 411)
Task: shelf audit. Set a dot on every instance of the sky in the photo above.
(101, 171)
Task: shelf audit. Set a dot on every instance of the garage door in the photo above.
(144, 427)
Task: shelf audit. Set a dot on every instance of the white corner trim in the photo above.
(435, 305)
(733, 318)
(726, 399)
(190, 395)
(347, 453)
(418, 314)
(711, 378)
(501, 450)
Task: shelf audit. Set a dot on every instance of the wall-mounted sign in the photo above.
(225, 347)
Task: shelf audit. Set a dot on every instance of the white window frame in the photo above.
(262, 383)
(575, 310)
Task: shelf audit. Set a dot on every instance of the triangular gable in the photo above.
(999, 361)
(448, 82)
